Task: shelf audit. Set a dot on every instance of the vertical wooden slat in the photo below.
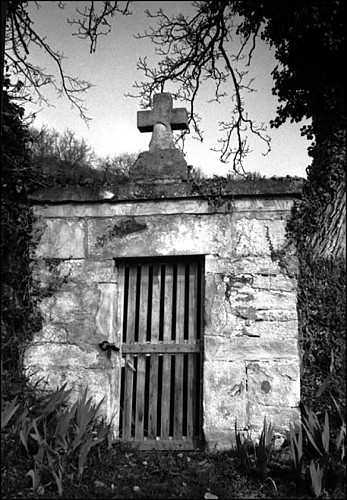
(143, 304)
(131, 313)
(153, 397)
(140, 397)
(155, 304)
(192, 301)
(168, 302)
(191, 396)
(178, 396)
(120, 305)
(180, 303)
(165, 400)
(128, 396)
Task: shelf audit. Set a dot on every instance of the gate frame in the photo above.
(158, 260)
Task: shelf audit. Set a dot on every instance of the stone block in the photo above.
(159, 165)
(45, 357)
(270, 329)
(88, 272)
(272, 315)
(249, 265)
(74, 311)
(162, 235)
(74, 305)
(284, 283)
(106, 312)
(231, 300)
(262, 299)
(279, 282)
(224, 396)
(261, 282)
(279, 416)
(51, 333)
(62, 239)
(218, 348)
(252, 236)
(274, 382)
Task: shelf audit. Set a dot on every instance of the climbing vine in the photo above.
(213, 190)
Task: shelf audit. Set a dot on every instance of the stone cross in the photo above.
(161, 120)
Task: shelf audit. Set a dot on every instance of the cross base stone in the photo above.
(164, 165)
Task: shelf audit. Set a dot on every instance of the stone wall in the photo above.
(250, 333)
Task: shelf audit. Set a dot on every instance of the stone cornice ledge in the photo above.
(269, 187)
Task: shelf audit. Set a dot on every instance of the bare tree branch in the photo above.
(90, 23)
(32, 78)
(193, 51)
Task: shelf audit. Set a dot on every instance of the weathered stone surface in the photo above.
(63, 355)
(74, 305)
(106, 313)
(74, 310)
(163, 164)
(254, 207)
(284, 283)
(51, 333)
(62, 239)
(274, 382)
(88, 271)
(128, 209)
(253, 236)
(231, 304)
(270, 314)
(227, 401)
(279, 416)
(251, 265)
(161, 235)
(281, 191)
(224, 394)
(218, 348)
(269, 329)
(261, 299)
(68, 275)
(162, 112)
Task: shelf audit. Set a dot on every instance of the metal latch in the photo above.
(106, 346)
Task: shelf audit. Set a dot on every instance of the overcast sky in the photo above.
(112, 70)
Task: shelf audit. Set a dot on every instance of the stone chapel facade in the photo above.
(176, 305)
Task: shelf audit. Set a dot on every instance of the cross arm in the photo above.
(178, 120)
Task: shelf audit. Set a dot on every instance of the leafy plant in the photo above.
(317, 436)
(314, 448)
(243, 444)
(8, 412)
(264, 449)
(56, 434)
(317, 476)
(341, 437)
(296, 447)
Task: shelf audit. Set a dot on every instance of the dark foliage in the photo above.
(18, 317)
(322, 323)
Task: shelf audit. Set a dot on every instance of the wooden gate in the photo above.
(160, 403)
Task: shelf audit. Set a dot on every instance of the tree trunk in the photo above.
(323, 208)
(330, 239)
